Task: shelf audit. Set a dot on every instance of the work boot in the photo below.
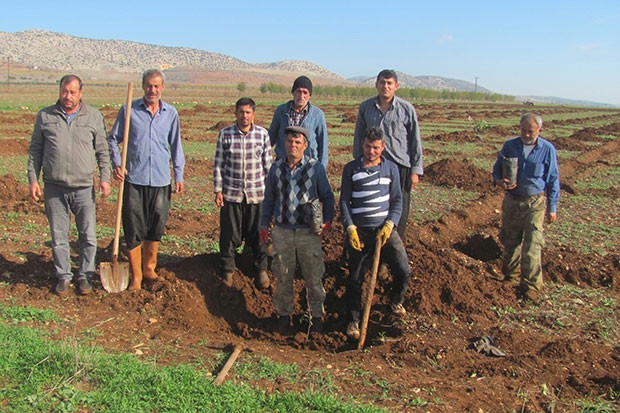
(149, 259)
(135, 262)
(62, 287)
(353, 330)
(262, 280)
(84, 286)
(316, 325)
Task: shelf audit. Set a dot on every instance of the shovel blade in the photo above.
(114, 276)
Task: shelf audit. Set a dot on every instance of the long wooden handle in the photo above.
(371, 291)
(121, 188)
(220, 377)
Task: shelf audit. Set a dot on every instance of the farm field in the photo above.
(562, 354)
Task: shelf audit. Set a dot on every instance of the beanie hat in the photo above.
(302, 81)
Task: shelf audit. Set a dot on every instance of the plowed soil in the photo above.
(455, 297)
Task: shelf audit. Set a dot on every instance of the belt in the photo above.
(526, 197)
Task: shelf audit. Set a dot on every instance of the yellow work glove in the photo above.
(354, 238)
(385, 232)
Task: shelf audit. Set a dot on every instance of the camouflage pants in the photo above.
(522, 236)
(290, 245)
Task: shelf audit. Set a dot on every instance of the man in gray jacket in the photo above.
(68, 143)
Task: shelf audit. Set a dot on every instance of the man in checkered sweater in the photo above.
(242, 161)
(292, 182)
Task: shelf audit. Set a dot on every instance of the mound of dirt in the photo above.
(459, 173)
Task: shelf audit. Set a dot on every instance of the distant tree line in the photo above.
(359, 92)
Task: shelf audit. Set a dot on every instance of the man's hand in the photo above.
(179, 187)
(119, 174)
(264, 236)
(354, 238)
(219, 199)
(551, 217)
(35, 191)
(104, 188)
(415, 180)
(385, 232)
(326, 227)
(505, 184)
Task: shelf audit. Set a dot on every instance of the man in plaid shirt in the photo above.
(242, 161)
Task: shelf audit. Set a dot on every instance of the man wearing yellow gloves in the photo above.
(370, 207)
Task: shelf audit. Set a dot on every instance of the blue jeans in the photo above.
(290, 245)
(60, 202)
(393, 254)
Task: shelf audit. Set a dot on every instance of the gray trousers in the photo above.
(290, 245)
(60, 202)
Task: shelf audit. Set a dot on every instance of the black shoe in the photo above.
(283, 325)
(316, 325)
(62, 287)
(84, 286)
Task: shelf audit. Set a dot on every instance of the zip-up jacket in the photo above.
(69, 153)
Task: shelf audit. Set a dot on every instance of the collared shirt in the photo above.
(241, 164)
(289, 188)
(403, 144)
(313, 121)
(370, 195)
(538, 172)
(294, 117)
(153, 142)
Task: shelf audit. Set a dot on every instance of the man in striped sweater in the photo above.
(370, 207)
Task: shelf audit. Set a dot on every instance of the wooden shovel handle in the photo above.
(371, 291)
(231, 360)
(121, 188)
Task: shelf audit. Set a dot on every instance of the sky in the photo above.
(568, 49)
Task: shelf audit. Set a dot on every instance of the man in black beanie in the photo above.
(300, 112)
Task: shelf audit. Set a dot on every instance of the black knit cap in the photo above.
(302, 81)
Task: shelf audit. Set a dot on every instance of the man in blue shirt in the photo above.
(370, 206)
(528, 201)
(154, 139)
(300, 112)
(292, 182)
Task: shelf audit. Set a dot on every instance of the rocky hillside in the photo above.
(62, 52)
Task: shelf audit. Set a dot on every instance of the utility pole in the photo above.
(476, 84)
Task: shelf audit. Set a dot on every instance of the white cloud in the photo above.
(590, 47)
(445, 38)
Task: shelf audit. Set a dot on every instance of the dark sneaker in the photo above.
(283, 325)
(316, 325)
(398, 310)
(62, 287)
(262, 280)
(84, 286)
(353, 331)
(227, 278)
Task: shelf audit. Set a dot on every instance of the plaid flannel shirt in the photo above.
(241, 164)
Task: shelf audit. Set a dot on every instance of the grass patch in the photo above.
(41, 375)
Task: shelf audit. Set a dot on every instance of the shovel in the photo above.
(371, 291)
(115, 275)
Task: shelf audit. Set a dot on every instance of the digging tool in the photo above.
(231, 360)
(115, 275)
(371, 291)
